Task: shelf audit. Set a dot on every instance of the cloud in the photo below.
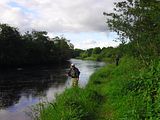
(92, 44)
(72, 18)
(92, 40)
(57, 15)
(97, 43)
(14, 16)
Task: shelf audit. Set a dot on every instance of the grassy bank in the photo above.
(128, 91)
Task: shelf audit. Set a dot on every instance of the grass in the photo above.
(73, 104)
(123, 92)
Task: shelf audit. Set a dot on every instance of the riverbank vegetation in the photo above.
(106, 54)
(31, 48)
(129, 91)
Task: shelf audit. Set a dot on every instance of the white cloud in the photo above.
(90, 42)
(14, 16)
(95, 43)
(57, 15)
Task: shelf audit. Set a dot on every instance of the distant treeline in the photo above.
(31, 48)
(107, 54)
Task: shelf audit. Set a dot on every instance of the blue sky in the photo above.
(16, 5)
(80, 21)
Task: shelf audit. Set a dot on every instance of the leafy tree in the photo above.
(136, 22)
(63, 47)
(89, 52)
(11, 45)
(77, 53)
(31, 48)
(96, 50)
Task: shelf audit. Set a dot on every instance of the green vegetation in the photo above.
(97, 54)
(31, 48)
(136, 23)
(75, 103)
(130, 91)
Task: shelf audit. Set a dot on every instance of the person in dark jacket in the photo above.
(117, 59)
(74, 74)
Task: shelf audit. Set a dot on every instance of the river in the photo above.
(22, 88)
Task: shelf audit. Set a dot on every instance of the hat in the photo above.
(72, 65)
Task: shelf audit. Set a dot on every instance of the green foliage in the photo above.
(73, 104)
(77, 53)
(31, 48)
(96, 50)
(129, 91)
(97, 54)
(146, 85)
(10, 45)
(132, 91)
(136, 23)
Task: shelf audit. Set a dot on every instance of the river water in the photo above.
(22, 88)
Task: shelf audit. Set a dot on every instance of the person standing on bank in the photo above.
(74, 74)
(117, 60)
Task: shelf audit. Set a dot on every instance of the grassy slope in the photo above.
(110, 82)
(112, 93)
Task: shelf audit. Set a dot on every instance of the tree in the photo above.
(31, 48)
(77, 53)
(89, 52)
(11, 45)
(96, 50)
(63, 47)
(136, 22)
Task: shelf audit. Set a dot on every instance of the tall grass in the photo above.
(73, 104)
(129, 91)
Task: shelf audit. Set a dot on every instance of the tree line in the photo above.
(31, 48)
(107, 54)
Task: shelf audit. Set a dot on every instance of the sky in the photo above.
(80, 21)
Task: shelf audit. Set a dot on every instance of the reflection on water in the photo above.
(25, 87)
